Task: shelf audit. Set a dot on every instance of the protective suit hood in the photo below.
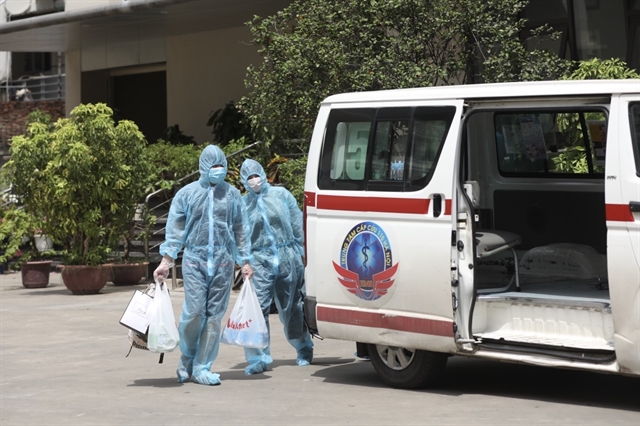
(252, 167)
(210, 156)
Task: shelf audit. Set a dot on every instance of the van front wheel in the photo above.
(406, 368)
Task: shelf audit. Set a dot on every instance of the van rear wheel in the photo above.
(406, 368)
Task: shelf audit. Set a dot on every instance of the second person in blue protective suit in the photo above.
(208, 219)
(275, 223)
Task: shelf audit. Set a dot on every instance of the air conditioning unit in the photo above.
(21, 7)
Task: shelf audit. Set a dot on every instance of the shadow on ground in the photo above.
(475, 376)
(169, 382)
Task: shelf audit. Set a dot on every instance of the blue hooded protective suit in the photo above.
(275, 223)
(210, 222)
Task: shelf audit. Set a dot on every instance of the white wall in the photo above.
(204, 72)
(108, 49)
(83, 4)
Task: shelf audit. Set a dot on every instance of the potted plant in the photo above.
(19, 233)
(84, 175)
(130, 269)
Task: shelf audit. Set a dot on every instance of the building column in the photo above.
(73, 79)
(73, 68)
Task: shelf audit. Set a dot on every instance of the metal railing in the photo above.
(7, 198)
(34, 88)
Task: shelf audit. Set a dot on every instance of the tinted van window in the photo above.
(383, 149)
(535, 143)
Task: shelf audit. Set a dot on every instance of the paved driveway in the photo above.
(62, 362)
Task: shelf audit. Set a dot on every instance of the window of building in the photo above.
(597, 34)
(589, 28)
(634, 43)
(37, 62)
(385, 149)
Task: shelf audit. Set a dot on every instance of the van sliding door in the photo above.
(379, 229)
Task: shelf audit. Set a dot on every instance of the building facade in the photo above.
(167, 62)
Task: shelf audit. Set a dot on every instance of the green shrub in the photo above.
(291, 174)
(171, 162)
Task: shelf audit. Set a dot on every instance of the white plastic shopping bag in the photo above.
(246, 326)
(163, 333)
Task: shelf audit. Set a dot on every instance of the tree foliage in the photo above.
(574, 157)
(229, 123)
(84, 176)
(315, 48)
(602, 69)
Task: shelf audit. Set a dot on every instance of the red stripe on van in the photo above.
(619, 213)
(447, 207)
(310, 199)
(390, 322)
(374, 204)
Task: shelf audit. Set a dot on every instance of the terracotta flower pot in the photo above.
(35, 274)
(127, 273)
(82, 279)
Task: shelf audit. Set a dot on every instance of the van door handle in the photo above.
(437, 204)
(634, 206)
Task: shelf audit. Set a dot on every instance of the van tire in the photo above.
(409, 369)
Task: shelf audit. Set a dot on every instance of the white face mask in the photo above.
(255, 184)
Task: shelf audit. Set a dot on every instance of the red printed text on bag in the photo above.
(238, 326)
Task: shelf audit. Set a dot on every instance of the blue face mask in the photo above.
(217, 175)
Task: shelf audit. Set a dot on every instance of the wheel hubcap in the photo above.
(394, 357)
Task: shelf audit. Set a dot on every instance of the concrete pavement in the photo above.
(62, 362)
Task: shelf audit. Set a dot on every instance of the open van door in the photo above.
(622, 195)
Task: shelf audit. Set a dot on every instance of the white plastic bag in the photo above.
(246, 326)
(163, 333)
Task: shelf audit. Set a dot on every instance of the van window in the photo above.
(561, 143)
(634, 119)
(389, 150)
(383, 149)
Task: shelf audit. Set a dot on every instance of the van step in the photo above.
(538, 319)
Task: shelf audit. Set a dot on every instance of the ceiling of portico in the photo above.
(65, 31)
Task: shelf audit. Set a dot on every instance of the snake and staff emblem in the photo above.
(365, 247)
(366, 266)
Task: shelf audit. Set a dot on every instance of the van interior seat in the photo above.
(490, 242)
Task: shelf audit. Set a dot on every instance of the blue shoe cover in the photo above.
(304, 357)
(256, 368)
(183, 375)
(207, 378)
(184, 371)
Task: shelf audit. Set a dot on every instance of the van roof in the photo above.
(494, 91)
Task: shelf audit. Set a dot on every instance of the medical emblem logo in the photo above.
(366, 265)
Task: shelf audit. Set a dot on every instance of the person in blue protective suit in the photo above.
(209, 220)
(275, 223)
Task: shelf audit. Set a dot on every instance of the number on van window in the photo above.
(383, 149)
(546, 142)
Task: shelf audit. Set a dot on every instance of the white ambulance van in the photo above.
(499, 221)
